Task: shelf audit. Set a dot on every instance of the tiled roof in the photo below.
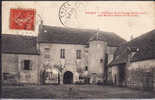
(145, 45)
(53, 34)
(18, 44)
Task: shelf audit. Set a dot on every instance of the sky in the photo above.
(110, 16)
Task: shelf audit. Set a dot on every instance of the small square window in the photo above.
(27, 65)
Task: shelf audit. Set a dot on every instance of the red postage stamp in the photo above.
(22, 19)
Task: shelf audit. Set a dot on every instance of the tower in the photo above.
(96, 58)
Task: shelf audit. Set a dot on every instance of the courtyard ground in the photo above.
(72, 91)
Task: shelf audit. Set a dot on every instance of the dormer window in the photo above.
(132, 54)
(133, 51)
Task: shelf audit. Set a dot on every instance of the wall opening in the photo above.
(68, 77)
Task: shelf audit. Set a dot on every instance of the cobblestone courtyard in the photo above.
(77, 91)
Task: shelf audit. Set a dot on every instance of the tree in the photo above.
(60, 68)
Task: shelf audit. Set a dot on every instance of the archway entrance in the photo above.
(68, 77)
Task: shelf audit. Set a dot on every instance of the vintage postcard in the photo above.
(78, 49)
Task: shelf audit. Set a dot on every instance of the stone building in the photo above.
(134, 63)
(58, 55)
(19, 59)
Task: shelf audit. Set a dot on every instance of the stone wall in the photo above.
(11, 64)
(137, 74)
(90, 57)
(10, 68)
(51, 57)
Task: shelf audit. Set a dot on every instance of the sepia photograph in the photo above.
(78, 50)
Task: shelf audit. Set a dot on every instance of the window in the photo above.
(62, 53)
(78, 54)
(27, 65)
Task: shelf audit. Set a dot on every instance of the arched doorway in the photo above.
(68, 77)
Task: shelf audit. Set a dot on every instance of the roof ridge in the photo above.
(143, 35)
(58, 34)
(139, 37)
(82, 29)
(143, 42)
